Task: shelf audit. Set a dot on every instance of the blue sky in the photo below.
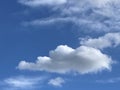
(54, 45)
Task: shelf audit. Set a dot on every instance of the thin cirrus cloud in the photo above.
(79, 22)
(36, 3)
(108, 81)
(108, 40)
(21, 82)
(57, 82)
(87, 13)
(64, 59)
(49, 21)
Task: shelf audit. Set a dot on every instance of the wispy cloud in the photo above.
(36, 3)
(22, 83)
(49, 21)
(111, 80)
(57, 82)
(98, 15)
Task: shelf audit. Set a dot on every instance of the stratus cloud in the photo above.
(21, 82)
(35, 3)
(65, 59)
(108, 40)
(56, 82)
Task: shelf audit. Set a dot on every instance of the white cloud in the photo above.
(95, 3)
(49, 21)
(65, 59)
(112, 80)
(108, 40)
(81, 22)
(35, 3)
(56, 82)
(99, 15)
(23, 82)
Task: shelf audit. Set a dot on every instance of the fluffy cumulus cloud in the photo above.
(20, 82)
(100, 15)
(65, 59)
(108, 40)
(56, 82)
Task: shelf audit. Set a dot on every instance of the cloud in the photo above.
(36, 3)
(56, 82)
(112, 80)
(77, 21)
(49, 21)
(65, 59)
(97, 15)
(108, 40)
(21, 82)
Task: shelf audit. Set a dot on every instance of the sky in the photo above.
(59, 44)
